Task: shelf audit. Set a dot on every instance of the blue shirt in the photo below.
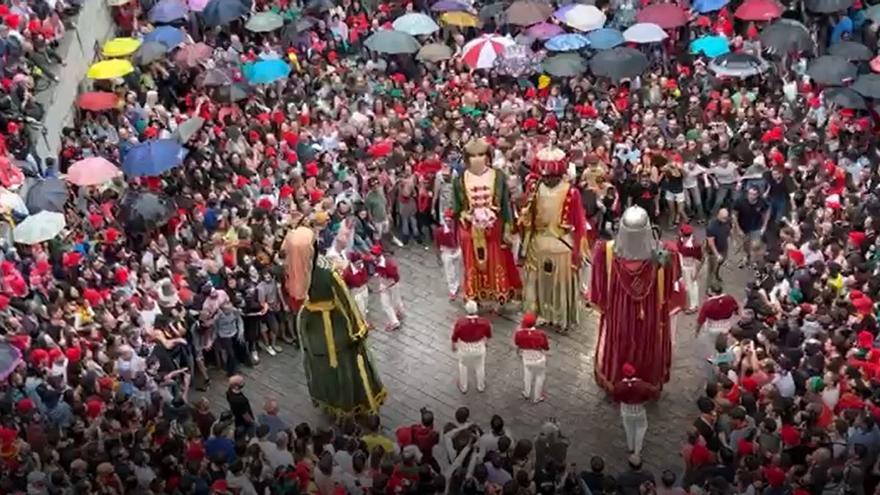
(215, 445)
(844, 26)
(720, 233)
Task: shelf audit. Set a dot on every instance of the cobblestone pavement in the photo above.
(418, 369)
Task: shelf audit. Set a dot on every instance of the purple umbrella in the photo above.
(10, 357)
(168, 11)
(449, 6)
(544, 31)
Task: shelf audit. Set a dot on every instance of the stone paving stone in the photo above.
(418, 369)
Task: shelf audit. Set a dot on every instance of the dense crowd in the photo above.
(116, 316)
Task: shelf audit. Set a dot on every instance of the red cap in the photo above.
(686, 229)
(864, 306)
(290, 138)
(106, 382)
(55, 354)
(266, 182)
(121, 275)
(448, 213)
(857, 238)
(94, 408)
(528, 320)
(286, 191)
(74, 354)
(316, 196)
(265, 204)
(796, 256)
(111, 235)
(71, 259)
(220, 486)
(42, 267)
(241, 181)
(19, 341)
(39, 357)
(376, 249)
(24, 406)
(312, 169)
(4, 302)
(629, 370)
(92, 296)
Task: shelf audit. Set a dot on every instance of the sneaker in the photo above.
(270, 350)
(525, 395)
(255, 357)
(392, 327)
(540, 399)
(277, 349)
(396, 241)
(460, 389)
(452, 296)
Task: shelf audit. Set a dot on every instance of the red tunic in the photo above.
(471, 329)
(694, 251)
(445, 237)
(388, 270)
(717, 308)
(355, 279)
(633, 391)
(529, 339)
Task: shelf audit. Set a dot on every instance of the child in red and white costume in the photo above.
(356, 278)
(446, 240)
(632, 393)
(691, 256)
(469, 337)
(532, 346)
(389, 287)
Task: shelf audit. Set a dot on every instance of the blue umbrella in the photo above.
(605, 38)
(266, 71)
(710, 46)
(167, 35)
(449, 6)
(567, 42)
(703, 6)
(222, 12)
(153, 157)
(168, 11)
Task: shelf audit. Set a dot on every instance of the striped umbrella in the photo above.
(480, 53)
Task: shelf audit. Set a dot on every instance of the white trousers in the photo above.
(691, 284)
(534, 373)
(451, 258)
(635, 424)
(391, 303)
(472, 356)
(361, 296)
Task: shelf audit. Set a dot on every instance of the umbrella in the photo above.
(117, 3)
(605, 39)
(142, 211)
(110, 69)
(874, 64)
(320, 5)
(10, 358)
(197, 5)
(97, 101)
(845, 98)
(851, 50)
(665, 15)
(873, 13)
(491, 11)
(222, 12)
(527, 12)
(828, 6)
(168, 11)
(581, 17)
(153, 157)
(785, 36)
(564, 65)
(517, 61)
(619, 63)
(644, 32)
(266, 71)
(231, 93)
(149, 52)
(188, 129)
(41, 227)
(460, 19)
(567, 42)
(449, 5)
(47, 195)
(392, 42)
(739, 65)
(759, 10)
(120, 47)
(434, 52)
(703, 6)
(214, 77)
(480, 53)
(167, 35)
(264, 22)
(544, 31)
(14, 202)
(416, 24)
(831, 71)
(710, 46)
(92, 171)
(868, 85)
(192, 55)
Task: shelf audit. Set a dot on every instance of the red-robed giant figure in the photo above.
(633, 286)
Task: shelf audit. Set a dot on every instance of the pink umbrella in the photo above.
(197, 5)
(665, 15)
(191, 55)
(92, 172)
(544, 31)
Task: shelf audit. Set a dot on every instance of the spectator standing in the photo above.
(717, 245)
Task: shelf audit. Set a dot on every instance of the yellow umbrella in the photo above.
(120, 47)
(460, 19)
(109, 69)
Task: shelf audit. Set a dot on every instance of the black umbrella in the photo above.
(786, 36)
(214, 77)
(845, 98)
(48, 194)
(851, 51)
(142, 212)
(740, 65)
(222, 12)
(149, 52)
(828, 6)
(831, 71)
(619, 63)
(492, 10)
(320, 5)
(233, 93)
(868, 85)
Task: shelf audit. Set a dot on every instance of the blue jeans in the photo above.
(723, 193)
(409, 228)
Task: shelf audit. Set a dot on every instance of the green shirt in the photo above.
(377, 205)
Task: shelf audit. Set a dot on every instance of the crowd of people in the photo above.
(109, 323)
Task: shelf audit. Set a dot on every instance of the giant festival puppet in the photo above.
(341, 378)
(635, 287)
(556, 240)
(482, 207)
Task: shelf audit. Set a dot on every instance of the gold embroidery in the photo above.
(325, 307)
(362, 369)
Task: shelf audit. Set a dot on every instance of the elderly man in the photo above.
(271, 419)
(469, 337)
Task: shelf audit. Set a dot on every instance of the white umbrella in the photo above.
(415, 23)
(13, 201)
(581, 17)
(481, 53)
(38, 228)
(645, 32)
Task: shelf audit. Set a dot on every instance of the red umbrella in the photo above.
(192, 55)
(875, 64)
(759, 10)
(665, 15)
(380, 149)
(97, 101)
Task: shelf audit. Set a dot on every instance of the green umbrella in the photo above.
(392, 42)
(149, 52)
(264, 22)
(434, 52)
(564, 65)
